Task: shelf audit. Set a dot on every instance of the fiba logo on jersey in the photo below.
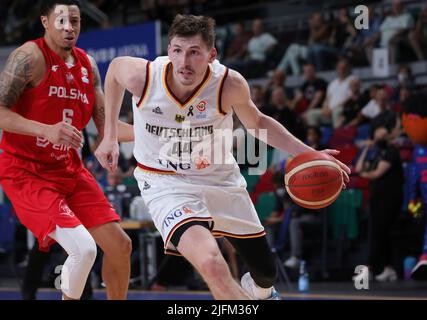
(85, 75)
(201, 106)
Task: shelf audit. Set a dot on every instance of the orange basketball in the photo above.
(313, 179)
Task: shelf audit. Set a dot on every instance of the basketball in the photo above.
(313, 179)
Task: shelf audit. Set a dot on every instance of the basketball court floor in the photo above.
(399, 290)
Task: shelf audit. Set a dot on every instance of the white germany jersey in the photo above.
(191, 137)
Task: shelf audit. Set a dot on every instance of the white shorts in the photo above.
(175, 199)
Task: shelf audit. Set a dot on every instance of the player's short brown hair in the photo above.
(190, 25)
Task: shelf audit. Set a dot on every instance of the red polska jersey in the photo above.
(65, 94)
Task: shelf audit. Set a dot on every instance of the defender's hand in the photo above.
(107, 154)
(65, 134)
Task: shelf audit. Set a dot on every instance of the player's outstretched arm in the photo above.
(237, 96)
(125, 130)
(124, 73)
(23, 67)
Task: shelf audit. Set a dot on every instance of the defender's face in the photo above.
(190, 57)
(62, 25)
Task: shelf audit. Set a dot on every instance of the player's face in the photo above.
(190, 57)
(62, 25)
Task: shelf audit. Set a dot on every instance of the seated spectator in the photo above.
(236, 50)
(282, 202)
(405, 79)
(314, 138)
(384, 170)
(319, 33)
(277, 80)
(260, 44)
(320, 45)
(301, 216)
(386, 118)
(354, 104)
(279, 109)
(404, 94)
(419, 35)
(395, 30)
(16, 20)
(337, 93)
(258, 96)
(113, 191)
(311, 94)
(366, 39)
(371, 109)
(343, 32)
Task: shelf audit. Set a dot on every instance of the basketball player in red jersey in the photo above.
(49, 90)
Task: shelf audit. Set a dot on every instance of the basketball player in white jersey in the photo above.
(180, 102)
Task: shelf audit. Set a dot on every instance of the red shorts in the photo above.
(45, 197)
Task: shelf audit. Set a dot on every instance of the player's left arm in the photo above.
(237, 96)
(125, 130)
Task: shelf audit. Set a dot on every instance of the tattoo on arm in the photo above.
(98, 113)
(98, 116)
(95, 72)
(15, 77)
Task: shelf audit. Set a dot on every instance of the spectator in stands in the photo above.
(419, 34)
(337, 93)
(4, 5)
(404, 94)
(367, 39)
(384, 170)
(395, 30)
(16, 20)
(386, 117)
(311, 94)
(277, 80)
(258, 96)
(320, 48)
(282, 202)
(405, 79)
(236, 50)
(260, 44)
(371, 109)
(301, 217)
(354, 104)
(279, 109)
(343, 32)
(319, 33)
(112, 192)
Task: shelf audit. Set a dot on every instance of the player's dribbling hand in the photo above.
(65, 134)
(107, 154)
(344, 169)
